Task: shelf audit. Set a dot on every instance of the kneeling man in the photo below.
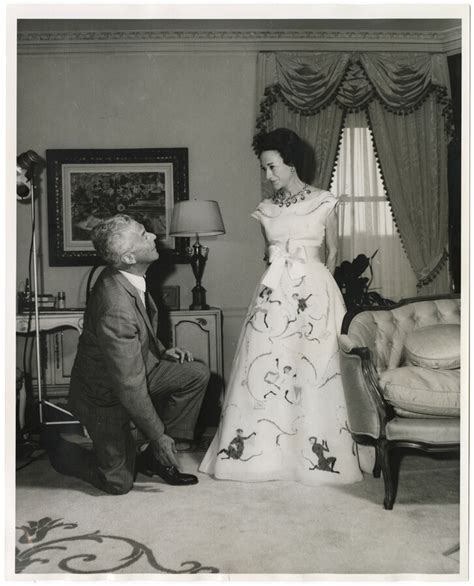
(122, 374)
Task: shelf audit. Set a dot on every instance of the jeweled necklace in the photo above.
(286, 199)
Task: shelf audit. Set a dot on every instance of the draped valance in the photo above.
(309, 82)
(407, 99)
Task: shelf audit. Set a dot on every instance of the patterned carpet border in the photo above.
(73, 547)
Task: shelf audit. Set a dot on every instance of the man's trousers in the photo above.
(176, 390)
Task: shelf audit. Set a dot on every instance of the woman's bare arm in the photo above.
(331, 240)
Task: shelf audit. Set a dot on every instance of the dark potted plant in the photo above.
(354, 287)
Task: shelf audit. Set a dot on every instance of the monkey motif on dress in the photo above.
(284, 380)
(325, 464)
(301, 302)
(236, 447)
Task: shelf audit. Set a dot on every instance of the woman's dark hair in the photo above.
(283, 140)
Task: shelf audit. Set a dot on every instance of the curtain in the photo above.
(294, 97)
(413, 156)
(366, 224)
(407, 99)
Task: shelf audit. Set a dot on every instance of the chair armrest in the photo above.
(367, 411)
(346, 343)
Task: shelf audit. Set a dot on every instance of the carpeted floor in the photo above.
(66, 526)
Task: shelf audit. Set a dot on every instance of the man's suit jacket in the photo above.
(117, 350)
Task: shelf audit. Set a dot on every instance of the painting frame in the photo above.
(170, 295)
(86, 185)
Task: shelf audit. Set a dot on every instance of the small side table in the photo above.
(52, 362)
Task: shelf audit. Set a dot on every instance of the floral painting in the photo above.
(84, 187)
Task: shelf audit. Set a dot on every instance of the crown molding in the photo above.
(34, 42)
(452, 40)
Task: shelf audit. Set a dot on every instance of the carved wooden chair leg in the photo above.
(390, 488)
(378, 463)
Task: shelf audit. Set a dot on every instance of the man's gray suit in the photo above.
(119, 376)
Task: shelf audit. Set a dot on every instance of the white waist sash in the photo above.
(293, 257)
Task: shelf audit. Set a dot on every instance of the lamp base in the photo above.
(199, 298)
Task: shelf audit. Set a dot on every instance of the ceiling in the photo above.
(362, 24)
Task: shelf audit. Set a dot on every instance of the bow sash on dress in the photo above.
(293, 257)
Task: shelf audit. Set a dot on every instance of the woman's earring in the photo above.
(292, 169)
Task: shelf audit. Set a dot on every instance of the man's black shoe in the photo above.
(147, 464)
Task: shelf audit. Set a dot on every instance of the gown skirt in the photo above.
(284, 415)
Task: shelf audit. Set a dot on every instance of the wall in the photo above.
(202, 101)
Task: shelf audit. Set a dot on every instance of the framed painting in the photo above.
(88, 185)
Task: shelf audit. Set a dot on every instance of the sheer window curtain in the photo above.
(365, 219)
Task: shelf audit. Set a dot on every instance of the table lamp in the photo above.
(197, 218)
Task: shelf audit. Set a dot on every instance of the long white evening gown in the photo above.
(284, 415)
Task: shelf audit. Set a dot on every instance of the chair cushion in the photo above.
(436, 346)
(424, 391)
(430, 431)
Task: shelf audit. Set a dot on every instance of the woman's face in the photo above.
(276, 170)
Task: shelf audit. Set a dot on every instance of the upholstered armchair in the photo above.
(400, 369)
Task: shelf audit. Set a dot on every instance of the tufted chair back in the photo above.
(384, 331)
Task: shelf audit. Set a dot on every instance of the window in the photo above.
(365, 220)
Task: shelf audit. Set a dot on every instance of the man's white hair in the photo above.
(107, 238)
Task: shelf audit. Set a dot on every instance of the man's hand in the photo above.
(179, 355)
(164, 450)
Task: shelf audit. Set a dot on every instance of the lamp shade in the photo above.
(193, 217)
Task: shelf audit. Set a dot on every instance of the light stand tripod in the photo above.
(26, 186)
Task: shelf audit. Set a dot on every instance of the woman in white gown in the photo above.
(284, 415)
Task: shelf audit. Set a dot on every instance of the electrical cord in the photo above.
(30, 308)
(27, 361)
